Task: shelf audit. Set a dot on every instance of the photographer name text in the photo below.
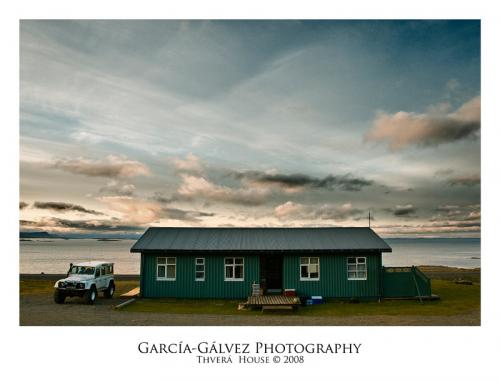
(213, 352)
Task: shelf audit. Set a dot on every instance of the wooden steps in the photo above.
(270, 300)
(273, 303)
(279, 308)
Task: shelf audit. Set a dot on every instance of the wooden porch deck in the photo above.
(272, 300)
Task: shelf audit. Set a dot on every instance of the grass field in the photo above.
(455, 299)
(43, 286)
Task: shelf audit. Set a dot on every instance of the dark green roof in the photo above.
(259, 239)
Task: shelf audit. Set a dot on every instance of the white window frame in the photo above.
(166, 264)
(233, 265)
(196, 264)
(357, 271)
(308, 264)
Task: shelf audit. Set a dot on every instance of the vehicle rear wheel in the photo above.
(90, 295)
(110, 291)
(59, 297)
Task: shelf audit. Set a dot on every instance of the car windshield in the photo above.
(83, 270)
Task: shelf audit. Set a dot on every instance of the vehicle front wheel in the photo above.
(110, 291)
(59, 297)
(90, 295)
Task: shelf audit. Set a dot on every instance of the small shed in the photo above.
(230, 262)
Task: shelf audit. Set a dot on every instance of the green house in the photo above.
(227, 262)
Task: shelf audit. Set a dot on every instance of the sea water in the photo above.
(53, 256)
(452, 252)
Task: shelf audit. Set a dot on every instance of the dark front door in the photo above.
(271, 272)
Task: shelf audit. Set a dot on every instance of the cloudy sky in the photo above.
(129, 124)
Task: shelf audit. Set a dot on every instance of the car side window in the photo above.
(97, 272)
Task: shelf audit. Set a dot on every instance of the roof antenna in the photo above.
(369, 218)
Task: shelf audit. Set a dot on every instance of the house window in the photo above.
(166, 268)
(233, 268)
(356, 268)
(309, 268)
(199, 272)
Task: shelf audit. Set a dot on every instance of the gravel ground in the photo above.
(40, 310)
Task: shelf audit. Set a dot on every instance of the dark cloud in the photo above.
(459, 224)
(469, 218)
(22, 204)
(28, 223)
(431, 228)
(113, 224)
(65, 207)
(455, 214)
(185, 215)
(467, 181)
(403, 211)
(162, 198)
(96, 225)
(404, 129)
(449, 219)
(345, 182)
(328, 212)
(111, 167)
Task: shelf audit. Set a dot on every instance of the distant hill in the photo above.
(100, 236)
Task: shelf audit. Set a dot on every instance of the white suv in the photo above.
(85, 280)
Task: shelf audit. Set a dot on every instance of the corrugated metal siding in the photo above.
(333, 282)
(141, 278)
(399, 283)
(185, 285)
